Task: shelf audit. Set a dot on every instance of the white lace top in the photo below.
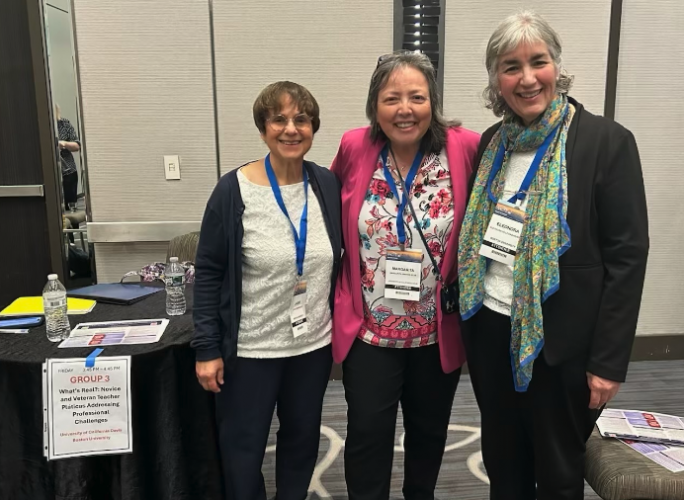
(269, 273)
(498, 284)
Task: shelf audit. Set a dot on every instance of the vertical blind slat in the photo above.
(421, 27)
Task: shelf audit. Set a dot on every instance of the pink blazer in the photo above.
(354, 165)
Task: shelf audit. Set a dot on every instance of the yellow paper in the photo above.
(33, 306)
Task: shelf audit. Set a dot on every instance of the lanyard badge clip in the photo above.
(298, 309)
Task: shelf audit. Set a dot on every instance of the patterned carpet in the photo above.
(654, 386)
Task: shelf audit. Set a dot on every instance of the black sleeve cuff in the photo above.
(607, 372)
(207, 354)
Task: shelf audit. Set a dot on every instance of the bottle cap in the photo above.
(52, 277)
(173, 259)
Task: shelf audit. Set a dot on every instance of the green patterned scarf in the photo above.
(545, 235)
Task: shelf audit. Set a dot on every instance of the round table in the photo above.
(175, 448)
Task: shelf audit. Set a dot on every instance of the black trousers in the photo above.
(533, 442)
(244, 410)
(376, 379)
(70, 186)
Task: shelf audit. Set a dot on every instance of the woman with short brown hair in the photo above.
(266, 267)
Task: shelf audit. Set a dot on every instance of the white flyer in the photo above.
(670, 457)
(637, 425)
(108, 333)
(88, 409)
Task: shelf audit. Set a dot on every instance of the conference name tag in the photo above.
(503, 233)
(403, 271)
(298, 312)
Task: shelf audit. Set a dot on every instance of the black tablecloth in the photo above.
(175, 454)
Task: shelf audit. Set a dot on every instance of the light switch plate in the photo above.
(172, 167)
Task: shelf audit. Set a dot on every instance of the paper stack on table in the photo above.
(110, 333)
(656, 436)
(33, 306)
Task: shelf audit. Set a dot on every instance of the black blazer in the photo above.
(218, 266)
(593, 316)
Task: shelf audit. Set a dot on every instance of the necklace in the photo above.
(402, 168)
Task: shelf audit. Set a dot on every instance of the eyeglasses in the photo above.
(279, 122)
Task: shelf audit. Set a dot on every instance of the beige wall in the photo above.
(650, 102)
(583, 25)
(147, 92)
(330, 47)
(119, 258)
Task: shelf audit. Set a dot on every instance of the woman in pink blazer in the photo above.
(390, 328)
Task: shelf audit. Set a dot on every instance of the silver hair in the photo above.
(434, 139)
(524, 27)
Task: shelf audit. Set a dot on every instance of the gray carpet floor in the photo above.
(653, 386)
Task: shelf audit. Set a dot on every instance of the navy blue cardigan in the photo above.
(218, 266)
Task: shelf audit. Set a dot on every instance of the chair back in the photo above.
(184, 247)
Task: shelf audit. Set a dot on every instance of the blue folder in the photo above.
(115, 293)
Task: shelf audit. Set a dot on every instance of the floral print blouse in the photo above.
(393, 322)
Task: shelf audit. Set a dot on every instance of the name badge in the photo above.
(298, 312)
(503, 233)
(403, 272)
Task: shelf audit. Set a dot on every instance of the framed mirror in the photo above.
(69, 144)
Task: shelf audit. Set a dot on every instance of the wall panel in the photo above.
(329, 46)
(650, 102)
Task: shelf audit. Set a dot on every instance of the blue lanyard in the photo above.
(531, 173)
(407, 183)
(300, 239)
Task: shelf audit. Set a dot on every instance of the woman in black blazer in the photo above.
(554, 246)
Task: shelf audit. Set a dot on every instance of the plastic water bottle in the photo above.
(55, 306)
(174, 276)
